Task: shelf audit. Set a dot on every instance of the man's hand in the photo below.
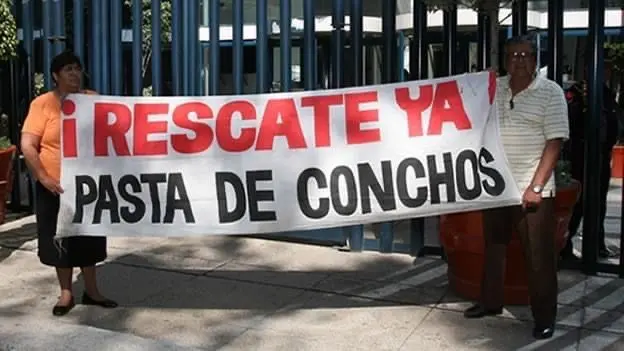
(531, 200)
(51, 184)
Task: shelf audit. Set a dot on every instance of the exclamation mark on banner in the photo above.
(70, 149)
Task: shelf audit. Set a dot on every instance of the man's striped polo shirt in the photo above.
(535, 115)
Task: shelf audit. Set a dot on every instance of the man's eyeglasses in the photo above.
(520, 55)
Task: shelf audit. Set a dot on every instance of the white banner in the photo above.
(190, 166)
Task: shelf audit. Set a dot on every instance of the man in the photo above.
(577, 108)
(533, 123)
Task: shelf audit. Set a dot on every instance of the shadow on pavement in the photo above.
(241, 293)
(168, 292)
(14, 238)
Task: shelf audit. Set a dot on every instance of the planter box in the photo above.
(617, 162)
(462, 238)
(6, 177)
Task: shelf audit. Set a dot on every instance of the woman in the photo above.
(41, 140)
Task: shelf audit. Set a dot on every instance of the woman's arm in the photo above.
(30, 149)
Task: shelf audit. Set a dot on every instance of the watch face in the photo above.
(537, 189)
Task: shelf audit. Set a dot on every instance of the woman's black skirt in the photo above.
(79, 251)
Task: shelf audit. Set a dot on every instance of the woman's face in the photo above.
(69, 78)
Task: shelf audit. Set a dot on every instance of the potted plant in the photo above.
(8, 45)
(7, 155)
(461, 235)
(617, 160)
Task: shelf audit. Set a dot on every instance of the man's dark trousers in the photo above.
(537, 233)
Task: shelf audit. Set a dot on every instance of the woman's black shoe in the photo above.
(106, 303)
(59, 310)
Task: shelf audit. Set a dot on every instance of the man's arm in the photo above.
(548, 162)
(556, 131)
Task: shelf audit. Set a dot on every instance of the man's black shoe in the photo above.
(606, 253)
(479, 311)
(542, 333)
(569, 256)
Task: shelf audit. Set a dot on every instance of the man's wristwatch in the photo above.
(537, 189)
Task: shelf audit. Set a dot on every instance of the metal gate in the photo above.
(182, 47)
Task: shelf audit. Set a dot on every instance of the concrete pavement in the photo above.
(239, 293)
(612, 223)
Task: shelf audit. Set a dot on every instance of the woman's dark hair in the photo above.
(63, 59)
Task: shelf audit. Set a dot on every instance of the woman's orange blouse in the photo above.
(44, 121)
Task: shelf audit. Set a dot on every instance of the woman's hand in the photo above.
(51, 184)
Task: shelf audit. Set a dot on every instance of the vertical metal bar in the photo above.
(96, 40)
(285, 43)
(355, 234)
(337, 51)
(176, 46)
(62, 26)
(316, 63)
(204, 58)
(389, 74)
(204, 49)
(309, 45)
(262, 46)
(621, 263)
(15, 122)
(538, 43)
(401, 57)
(418, 70)
(271, 64)
(205, 14)
(117, 76)
(483, 41)
(137, 47)
(184, 44)
(54, 27)
(357, 29)
(389, 62)
(418, 44)
(591, 191)
(78, 25)
(105, 48)
(195, 51)
(450, 40)
(46, 16)
(519, 12)
(215, 65)
(237, 46)
(58, 26)
(555, 40)
(28, 42)
(156, 49)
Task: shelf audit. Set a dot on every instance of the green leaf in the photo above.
(8, 31)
